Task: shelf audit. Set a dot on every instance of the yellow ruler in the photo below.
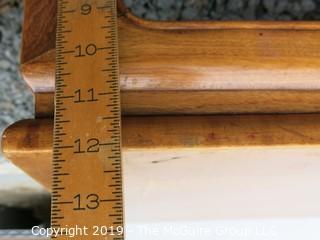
(87, 192)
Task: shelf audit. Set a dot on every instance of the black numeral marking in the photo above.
(91, 96)
(91, 146)
(92, 202)
(86, 9)
(89, 50)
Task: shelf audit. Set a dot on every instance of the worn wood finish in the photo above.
(28, 143)
(39, 28)
(21, 145)
(195, 59)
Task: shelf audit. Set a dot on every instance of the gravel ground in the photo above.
(16, 101)
(226, 9)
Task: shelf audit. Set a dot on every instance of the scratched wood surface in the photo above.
(257, 64)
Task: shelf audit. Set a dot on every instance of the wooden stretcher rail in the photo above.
(202, 102)
(28, 143)
(260, 67)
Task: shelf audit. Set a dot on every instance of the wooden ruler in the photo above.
(87, 177)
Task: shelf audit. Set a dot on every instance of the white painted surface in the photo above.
(242, 229)
(213, 194)
(240, 188)
(18, 189)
